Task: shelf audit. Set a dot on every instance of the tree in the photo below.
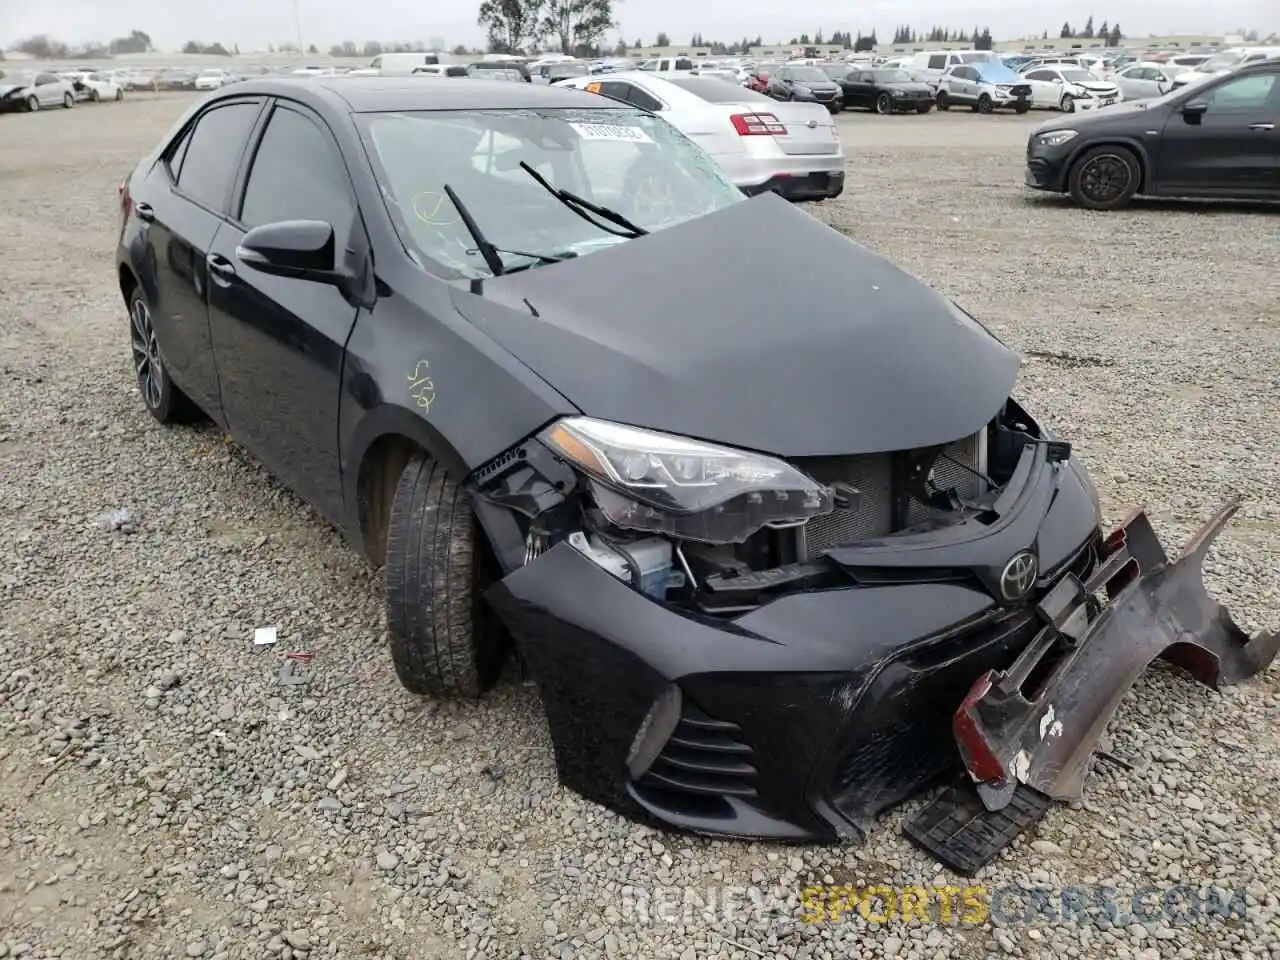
(42, 47)
(310, 49)
(1066, 31)
(372, 48)
(864, 44)
(817, 39)
(135, 42)
(1116, 35)
(577, 23)
(344, 49)
(984, 41)
(460, 50)
(662, 41)
(511, 23)
(1087, 33)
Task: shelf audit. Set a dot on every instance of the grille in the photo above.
(873, 476)
(703, 757)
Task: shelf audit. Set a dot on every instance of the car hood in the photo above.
(8, 88)
(1076, 121)
(789, 338)
(907, 86)
(817, 84)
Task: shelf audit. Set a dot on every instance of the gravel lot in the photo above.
(163, 792)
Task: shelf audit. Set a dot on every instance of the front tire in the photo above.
(983, 105)
(1022, 108)
(884, 105)
(445, 641)
(943, 101)
(33, 104)
(95, 96)
(119, 95)
(1105, 178)
(1067, 104)
(161, 396)
(68, 101)
(924, 108)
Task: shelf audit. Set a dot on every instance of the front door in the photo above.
(1232, 148)
(279, 343)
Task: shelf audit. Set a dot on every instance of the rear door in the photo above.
(1233, 148)
(183, 201)
(280, 342)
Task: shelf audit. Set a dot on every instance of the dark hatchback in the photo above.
(776, 558)
(806, 84)
(884, 91)
(1217, 139)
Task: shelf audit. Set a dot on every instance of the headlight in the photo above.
(661, 483)
(1055, 138)
(896, 93)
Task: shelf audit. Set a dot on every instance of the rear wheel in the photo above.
(1105, 178)
(162, 397)
(944, 102)
(983, 105)
(120, 94)
(445, 641)
(94, 96)
(884, 105)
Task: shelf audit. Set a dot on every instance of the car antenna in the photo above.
(491, 257)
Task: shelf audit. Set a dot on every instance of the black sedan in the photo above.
(776, 559)
(1219, 138)
(806, 84)
(884, 91)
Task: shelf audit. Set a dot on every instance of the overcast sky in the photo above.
(256, 23)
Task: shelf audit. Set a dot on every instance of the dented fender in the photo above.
(1090, 653)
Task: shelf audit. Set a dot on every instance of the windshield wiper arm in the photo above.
(487, 250)
(577, 204)
(540, 257)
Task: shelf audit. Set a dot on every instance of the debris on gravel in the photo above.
(166, 790)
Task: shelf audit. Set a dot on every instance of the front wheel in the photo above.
(445, 641)
(1067, 104)
(1021, 108)
(1105, 178)
(119, 95)
(944, 102)
(835, 108)
(68, 101)
(984, 104)
(95, 96)
(33, 103)
(884, 105)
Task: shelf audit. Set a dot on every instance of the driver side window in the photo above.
(1243, 93)
(297, 174)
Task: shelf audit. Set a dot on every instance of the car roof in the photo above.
(389, 94)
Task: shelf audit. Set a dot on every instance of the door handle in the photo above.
(1262, 126)
(144, 211)
(220, 267)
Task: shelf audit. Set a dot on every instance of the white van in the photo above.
(934, 62)
(400, 64)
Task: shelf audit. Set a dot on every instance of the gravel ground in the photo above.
(166, 792)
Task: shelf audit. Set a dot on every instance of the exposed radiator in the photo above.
(872, 475)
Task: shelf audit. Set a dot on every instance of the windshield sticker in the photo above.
(611, 131)
(422, 388)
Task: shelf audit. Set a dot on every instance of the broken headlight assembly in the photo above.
(655, 482)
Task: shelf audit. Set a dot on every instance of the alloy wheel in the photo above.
(146, 353)
(1104, 178)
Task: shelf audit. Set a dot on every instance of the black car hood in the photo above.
(756, 326)
(908, 86)
(817, 84)
(1121, 112)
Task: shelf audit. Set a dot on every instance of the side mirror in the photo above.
(298, 249)
(1193, 110)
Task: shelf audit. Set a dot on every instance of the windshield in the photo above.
(808, 75)
(630, 161)
(1078, 76)
(996, 72)
(892, 76)
(211, 73)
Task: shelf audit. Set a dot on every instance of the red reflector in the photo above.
(758, 125)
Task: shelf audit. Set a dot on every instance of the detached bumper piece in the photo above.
(1031, 730)
(802, 186)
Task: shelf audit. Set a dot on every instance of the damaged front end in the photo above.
(738, 644)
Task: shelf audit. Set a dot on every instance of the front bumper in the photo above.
(1046, 171)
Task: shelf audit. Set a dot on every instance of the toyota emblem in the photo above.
(1018, 576)
(812, 124)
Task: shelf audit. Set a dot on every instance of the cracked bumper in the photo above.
(1038, 722)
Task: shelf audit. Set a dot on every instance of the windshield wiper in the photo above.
(492, 259)
(534, 258)
(578, 205)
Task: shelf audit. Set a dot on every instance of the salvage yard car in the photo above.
(792, 149)
(884, 91)
(983, 87)
(32, 90)
(773, 571)
(1219, 138)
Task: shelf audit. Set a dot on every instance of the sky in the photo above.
(253, 24)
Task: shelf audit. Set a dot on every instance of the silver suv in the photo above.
(983, 88)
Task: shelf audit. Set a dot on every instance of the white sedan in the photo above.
(1067, 88)
(1142, 81)
(101, 87)
(213, 78)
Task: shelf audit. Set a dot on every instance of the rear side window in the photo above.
(683, 64)
(715, 91)
(297, 174)
(213, 151)
(938, 62)
(645, 100)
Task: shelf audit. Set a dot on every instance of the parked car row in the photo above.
(33, 90)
